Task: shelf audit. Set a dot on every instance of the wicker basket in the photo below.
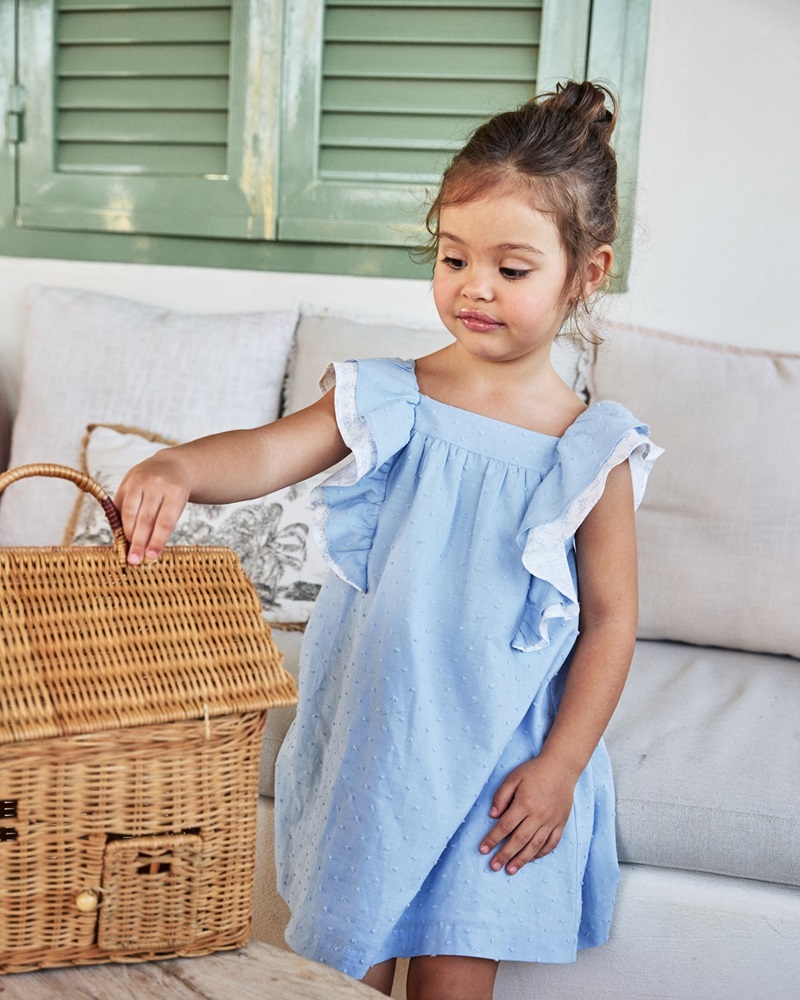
(132, 706)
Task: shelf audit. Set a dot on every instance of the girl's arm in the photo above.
(224, 468)
(533, 804)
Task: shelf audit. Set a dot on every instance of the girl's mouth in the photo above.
(478, 321)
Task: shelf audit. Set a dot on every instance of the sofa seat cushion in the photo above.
(705, 745)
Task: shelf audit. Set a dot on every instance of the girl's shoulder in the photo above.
(603, 418)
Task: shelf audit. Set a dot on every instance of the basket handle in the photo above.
(83, 482)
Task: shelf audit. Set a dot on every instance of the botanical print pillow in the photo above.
(271, 535)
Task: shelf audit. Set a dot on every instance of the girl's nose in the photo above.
(477, 286)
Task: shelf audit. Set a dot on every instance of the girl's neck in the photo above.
(529, 394)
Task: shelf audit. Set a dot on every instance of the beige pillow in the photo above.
(719, 530)
(271, 535)
(90, 357)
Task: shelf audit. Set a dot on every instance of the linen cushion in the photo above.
(271, 535)
(94, 358)
(719, 531)
(704, 746)
(322, 339)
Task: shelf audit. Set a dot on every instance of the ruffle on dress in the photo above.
(375, 404)
(603, 436)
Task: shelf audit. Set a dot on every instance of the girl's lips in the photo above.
(478, 321)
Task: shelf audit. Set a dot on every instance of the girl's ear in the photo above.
(597, 270)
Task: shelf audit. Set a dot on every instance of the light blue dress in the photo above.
(433, 665)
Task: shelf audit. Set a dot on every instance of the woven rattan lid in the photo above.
(88, 644)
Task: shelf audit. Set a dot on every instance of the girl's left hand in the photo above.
(532, 807)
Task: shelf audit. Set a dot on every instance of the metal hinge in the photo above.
(16, 113)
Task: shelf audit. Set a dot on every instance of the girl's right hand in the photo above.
(150, 499)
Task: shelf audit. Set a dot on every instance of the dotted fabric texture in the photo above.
(419, 691)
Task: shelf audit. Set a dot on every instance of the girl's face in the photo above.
(500, 276)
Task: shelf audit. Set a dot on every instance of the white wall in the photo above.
(718, 210)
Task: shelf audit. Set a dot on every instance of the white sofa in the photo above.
(706, 740)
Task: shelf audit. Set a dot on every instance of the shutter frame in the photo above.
(229, 193)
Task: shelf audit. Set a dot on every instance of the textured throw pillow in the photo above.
(90, 357)
(719, 530)
(271, 535)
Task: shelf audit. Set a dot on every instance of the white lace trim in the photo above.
(353, 426)
(356, 433)
(321, 513)
(545, 542)
(563, 611)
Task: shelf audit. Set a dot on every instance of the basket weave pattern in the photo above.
(132, 706)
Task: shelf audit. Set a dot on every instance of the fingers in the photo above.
(504, 796)
(149, 530)
(531, 809)
(149, 514)
(524, 838)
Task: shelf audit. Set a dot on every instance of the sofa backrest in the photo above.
(719, 530)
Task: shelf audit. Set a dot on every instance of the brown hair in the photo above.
(556, 145)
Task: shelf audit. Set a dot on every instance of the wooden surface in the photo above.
(257, 972)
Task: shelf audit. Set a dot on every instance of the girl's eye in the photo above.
(454, 262)
(513, 273)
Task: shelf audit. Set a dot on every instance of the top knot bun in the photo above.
(588, 103)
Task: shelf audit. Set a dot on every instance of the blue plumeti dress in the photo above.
(433, 665)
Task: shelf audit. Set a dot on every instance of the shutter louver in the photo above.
(142, 87)
(403, 83)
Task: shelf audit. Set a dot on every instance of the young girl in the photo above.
(444, 792)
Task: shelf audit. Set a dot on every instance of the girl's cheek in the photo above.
(441, 290)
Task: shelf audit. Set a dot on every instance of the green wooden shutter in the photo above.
(147, 123)
(374, 97)
(400, 86)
